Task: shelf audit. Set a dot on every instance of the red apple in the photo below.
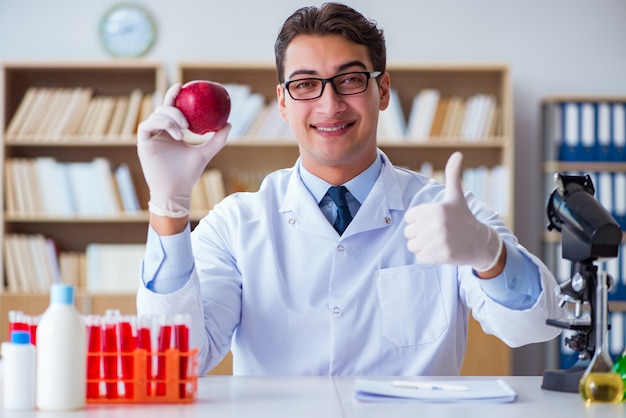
(205, 104)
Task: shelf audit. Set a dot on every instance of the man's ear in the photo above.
(280, 95)
(384, 85)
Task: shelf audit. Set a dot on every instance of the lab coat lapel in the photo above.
(300, 209)
(380, 209)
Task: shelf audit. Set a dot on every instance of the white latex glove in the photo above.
(171, 166)
(447, 232)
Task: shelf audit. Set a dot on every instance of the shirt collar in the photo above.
(359, 186)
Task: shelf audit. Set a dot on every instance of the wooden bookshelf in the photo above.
(74, 232)
(245, 160)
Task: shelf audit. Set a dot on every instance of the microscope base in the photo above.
(563, 380)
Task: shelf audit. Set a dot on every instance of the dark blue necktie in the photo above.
(338, 194)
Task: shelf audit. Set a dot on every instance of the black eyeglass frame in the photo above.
(370, 74)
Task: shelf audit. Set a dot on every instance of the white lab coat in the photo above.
(273, 277)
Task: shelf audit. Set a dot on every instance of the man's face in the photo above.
(336, 134)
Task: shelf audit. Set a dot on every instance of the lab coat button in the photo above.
(292, 222)
(387, 220)
(336, 310)
(340, 248)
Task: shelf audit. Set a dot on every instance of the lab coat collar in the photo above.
(377, 211)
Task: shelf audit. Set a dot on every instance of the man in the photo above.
(273, 275)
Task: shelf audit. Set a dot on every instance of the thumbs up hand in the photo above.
(447, 232)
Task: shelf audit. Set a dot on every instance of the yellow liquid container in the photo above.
(602, 387)
(600, 383)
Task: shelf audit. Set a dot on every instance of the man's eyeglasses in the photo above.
(345, 84)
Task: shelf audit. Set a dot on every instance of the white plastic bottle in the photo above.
(61, 354)
(19, 372)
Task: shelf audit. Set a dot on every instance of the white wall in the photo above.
(552, 46)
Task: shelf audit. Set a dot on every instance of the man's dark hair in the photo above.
(332, 19)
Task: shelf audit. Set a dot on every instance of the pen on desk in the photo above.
(407, 384)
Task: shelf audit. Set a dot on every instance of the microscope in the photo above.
(588, 233)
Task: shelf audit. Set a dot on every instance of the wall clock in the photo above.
(127, 31)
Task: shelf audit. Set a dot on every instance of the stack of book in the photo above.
(58, 114)
(432, 116)
(587, 130)
(208, 191)
(33, 263)
(44, 187)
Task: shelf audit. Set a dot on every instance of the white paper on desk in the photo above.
(488, 390)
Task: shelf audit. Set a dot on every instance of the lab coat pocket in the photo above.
(411, 304)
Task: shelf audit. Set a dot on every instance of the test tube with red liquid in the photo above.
(94, 356)
(111, 349)
(144, 341)
(18, 321)
(164, 343)
(34, 321)
(128, 343)
(181, 342)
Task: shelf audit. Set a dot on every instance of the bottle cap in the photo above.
(62, 293)
(20, 337)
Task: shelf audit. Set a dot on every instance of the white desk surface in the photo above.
(329, 397)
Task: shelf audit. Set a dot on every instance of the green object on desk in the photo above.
(620, 368)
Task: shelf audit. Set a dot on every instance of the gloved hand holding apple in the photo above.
(170, 166)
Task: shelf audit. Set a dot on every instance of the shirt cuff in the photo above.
(168, 262)
(519, 285)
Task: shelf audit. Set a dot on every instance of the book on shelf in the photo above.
(448, 126)
(432, 115)
(73, 268)
(147, 107)
(105, 186)
(586, 130)
(126, 190)
(24, 190)
(103, 116)
(35, 113)
(31, 263)
(83, 185)
(45, 187)
(53, 114)
(117, 118)
(208, 191)
(129, 127)
(479, 109)
(422, 114)
(56, 104)
(22, 112)
(273, 125)
(440, 113)
(391, 124)
(113, 268)
(245, 105)
(81, 96)
(52, 194)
